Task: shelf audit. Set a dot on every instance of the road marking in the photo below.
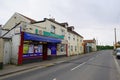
(78, 66)
(117, 65)
(91, 59)
(54, 79)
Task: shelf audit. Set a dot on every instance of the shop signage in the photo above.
(52, 35)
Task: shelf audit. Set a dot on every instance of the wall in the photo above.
(1, 49)
(15, 36)
(15, 48)
(72, 43)
(31, 28)
(15, 19)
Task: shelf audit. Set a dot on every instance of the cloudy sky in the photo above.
(91, 18)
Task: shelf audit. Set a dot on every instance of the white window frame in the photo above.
(52, 29)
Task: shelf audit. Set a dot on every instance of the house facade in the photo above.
(74, 42)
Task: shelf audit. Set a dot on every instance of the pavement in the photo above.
(11, 69)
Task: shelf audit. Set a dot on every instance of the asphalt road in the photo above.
(99, 66)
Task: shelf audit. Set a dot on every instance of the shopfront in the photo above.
(36, 48)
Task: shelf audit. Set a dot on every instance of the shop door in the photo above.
(45, 56)
(7, 52)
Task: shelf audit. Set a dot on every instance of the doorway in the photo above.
(7, 51)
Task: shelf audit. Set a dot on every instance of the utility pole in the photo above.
(115, 37)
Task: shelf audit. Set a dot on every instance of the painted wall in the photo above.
(47, 26)
(15, 48)
(31, 28)
(14, 34)
(1, 49)
(15, 19)
(74, 44)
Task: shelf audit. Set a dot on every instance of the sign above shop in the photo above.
(53, 35)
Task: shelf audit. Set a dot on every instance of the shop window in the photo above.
(32, 49)
(52, 29)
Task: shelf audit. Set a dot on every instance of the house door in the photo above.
(7, 52)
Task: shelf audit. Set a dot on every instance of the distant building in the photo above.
(0, 30)
(89, 45)
(117, 45)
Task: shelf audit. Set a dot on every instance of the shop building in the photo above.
(55, 30)
(27, 40)
(32, 40)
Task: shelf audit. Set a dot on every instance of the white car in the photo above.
(118, 53)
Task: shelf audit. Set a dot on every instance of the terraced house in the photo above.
(30, 40)
(75, 41)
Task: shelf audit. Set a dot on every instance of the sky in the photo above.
(91, 18)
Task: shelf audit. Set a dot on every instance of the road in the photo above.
(96, 66)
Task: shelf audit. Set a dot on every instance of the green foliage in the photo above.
(101, 47)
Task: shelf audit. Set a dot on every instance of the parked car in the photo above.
(118, 53)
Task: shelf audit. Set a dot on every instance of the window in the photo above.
(69, 37)
(80, 40)
(62, 48)
(62, 32)
(73, 37)
(75, 48)
(52, 29)
(71, 48)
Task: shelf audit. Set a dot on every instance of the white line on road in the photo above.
(78, 66)
(54, 79)
(91, 59)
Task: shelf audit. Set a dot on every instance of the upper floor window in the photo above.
(69, 37)
(52, 29)
(71, 48)
(73, 37)
(62, 32)
(75, 48)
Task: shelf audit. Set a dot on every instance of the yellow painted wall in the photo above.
(1, 50)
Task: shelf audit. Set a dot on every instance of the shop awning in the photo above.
(28, 36)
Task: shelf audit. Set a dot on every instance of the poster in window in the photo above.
(38, 50)
(31, 48)
(25, 48)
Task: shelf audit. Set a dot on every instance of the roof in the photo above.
(31, 20)
(69, 29)
(52, 20)
(89, 41)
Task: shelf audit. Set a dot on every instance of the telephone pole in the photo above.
(115, 37)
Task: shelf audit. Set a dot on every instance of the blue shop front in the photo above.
(35, 47)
